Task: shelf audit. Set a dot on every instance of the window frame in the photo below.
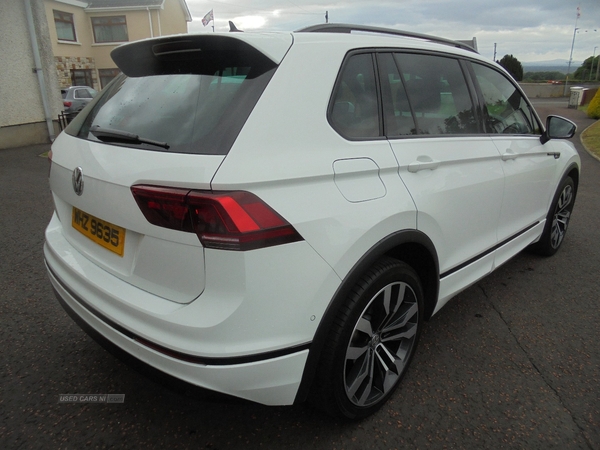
(109, 18)
(63, 20)
(339, 79)
(86, 74)
(467, 73)
(483, 106)
(102, 73)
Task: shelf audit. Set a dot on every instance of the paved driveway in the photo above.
(512, 362)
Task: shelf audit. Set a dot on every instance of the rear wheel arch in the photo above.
(409, 246)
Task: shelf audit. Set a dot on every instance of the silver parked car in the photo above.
(75, 98)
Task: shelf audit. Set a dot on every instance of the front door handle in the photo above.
(423, 163)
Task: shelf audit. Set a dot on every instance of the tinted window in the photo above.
(191, 112)
(438, 94)
(82, 93)
(354, 111)
(507, 111)
(396, 109)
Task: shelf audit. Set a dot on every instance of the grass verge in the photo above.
(591, 139)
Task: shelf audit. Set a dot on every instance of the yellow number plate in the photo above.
(101, 232)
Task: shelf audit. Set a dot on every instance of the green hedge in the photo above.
(594, 108)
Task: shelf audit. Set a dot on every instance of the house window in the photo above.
(107, 75)
(65, 27)
(81, 77)
(110, 29)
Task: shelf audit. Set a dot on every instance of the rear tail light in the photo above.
(67, 104)
(223, 220)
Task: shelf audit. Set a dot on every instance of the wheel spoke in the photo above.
(364, 326)
(353, 353)
(364, 372)
(406, 334)
(390, 314)
(409, 314)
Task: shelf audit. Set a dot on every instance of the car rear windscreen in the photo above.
(187, 98)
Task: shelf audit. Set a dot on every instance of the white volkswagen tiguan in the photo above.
(274, 215)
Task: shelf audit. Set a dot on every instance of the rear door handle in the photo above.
(509, 155)
(423, 163)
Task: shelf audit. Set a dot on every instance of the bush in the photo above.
(594, 107)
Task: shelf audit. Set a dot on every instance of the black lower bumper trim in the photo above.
(194, 359)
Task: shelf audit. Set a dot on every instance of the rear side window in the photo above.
(506, 111)
(187, 97)
(354, 110)
(438, 94)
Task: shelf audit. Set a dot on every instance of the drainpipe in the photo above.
(150, 22)
(38, 70)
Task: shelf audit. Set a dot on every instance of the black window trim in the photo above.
(468, 74)
(338, 81)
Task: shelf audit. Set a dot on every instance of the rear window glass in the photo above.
(197, 103)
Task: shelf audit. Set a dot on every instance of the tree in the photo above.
(513, 66)
(587, 70)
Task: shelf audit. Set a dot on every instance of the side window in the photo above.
(507, 111)
(354, 111)
(82, 93)
(438, 94)
(396, 109)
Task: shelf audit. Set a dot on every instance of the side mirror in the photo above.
(558, 128)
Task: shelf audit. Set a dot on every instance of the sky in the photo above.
(530, 30)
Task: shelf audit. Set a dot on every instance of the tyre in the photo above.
(557, 220)
(372, 341)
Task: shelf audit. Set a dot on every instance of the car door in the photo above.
(451, 169)
(529, 166)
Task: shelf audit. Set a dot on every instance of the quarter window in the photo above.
(438, 94)
(110, 29)
(65, 26)
(506, 111)
(354, 112)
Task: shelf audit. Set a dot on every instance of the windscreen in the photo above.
(191, 101)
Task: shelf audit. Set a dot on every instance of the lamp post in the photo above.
(571, 56)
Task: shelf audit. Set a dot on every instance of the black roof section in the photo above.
(348, 28)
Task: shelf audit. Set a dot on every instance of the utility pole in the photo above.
(495, 51)
(326, 16)
(571, 56)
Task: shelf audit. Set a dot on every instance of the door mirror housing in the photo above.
(558, 128)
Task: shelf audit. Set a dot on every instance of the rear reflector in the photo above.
(223, 220)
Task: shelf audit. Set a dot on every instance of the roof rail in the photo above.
(348, 28)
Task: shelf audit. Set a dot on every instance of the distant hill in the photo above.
(558, 65)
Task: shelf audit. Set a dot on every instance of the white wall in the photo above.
(20, 94)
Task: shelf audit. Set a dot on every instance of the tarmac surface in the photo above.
(512, 362)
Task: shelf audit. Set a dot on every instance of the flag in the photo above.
(208, 17)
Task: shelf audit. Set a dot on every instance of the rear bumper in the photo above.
(243, 337)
